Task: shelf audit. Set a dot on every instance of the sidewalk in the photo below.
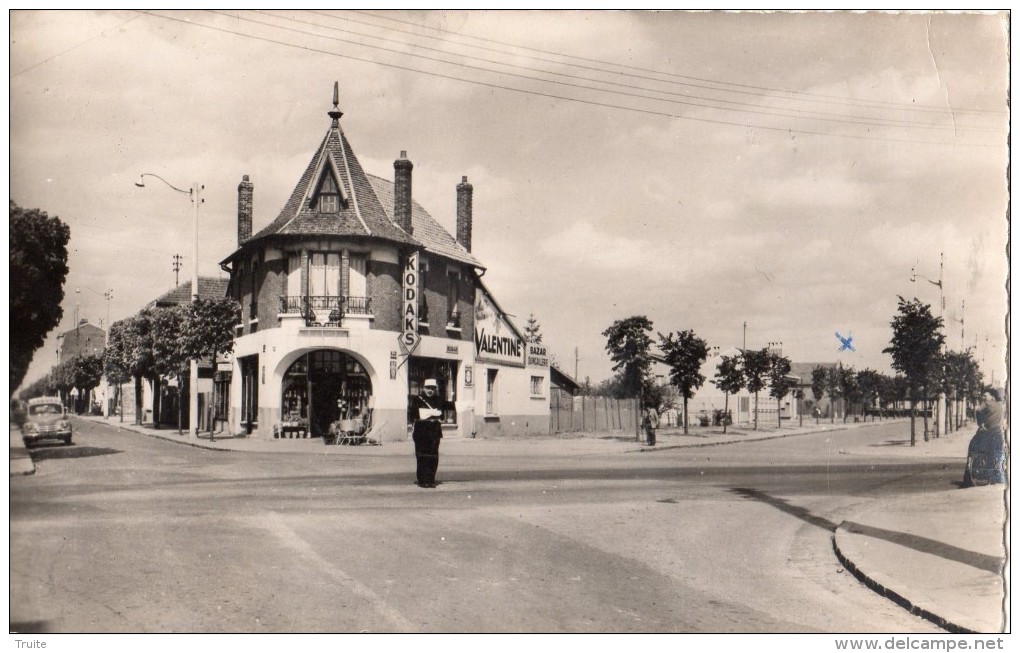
(941, 560)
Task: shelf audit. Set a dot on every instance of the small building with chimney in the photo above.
(354, 295)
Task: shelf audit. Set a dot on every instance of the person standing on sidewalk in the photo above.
(986, 452)
(651, 422)
(428, 430)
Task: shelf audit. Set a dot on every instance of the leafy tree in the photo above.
(62, 378)
(729, 377)
(916, 342)
(532, 330)
(208, 329)
(684, 353)
(755, 363)
(41, 387)
(869, 384)
(819, 378)
(168, 353)
(86, 372)
(118, 359)
(780, 383)
(629, 345)
(833, 383)
(38, 256)
(145, 362)
(850, 385)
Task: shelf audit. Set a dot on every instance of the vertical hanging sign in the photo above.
(409, 337)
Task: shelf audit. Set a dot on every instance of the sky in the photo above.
(756, 177)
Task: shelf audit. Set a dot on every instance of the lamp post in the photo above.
(195, 192)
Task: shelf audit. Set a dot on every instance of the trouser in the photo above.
(650, 432)
(426, 451)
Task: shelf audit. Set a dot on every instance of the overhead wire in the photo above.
(755, 90)
(755, 108)
(743, 125)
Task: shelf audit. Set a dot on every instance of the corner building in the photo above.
(354, 295)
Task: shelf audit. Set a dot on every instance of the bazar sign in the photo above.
(537, 355)
(495, 339)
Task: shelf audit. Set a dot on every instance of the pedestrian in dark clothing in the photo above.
(428, 430)
(651, 421)
(986, 453)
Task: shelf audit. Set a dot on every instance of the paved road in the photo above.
(122, 532)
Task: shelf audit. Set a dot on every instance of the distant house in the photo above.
(560, 383)
(84, 340)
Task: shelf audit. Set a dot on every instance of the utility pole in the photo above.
(177, 270)
(745, 335)
(576, 358)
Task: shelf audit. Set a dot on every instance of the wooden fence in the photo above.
(590, 414)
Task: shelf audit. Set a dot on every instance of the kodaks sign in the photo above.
(495, 339)
(409, 337)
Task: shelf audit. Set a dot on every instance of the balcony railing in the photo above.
(325, 310)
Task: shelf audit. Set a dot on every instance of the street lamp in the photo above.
(195, 191)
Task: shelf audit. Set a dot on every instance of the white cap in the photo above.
(430, 382)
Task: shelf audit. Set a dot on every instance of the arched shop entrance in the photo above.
(323, 386)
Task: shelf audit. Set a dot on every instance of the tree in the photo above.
(629, 345)
(848, 388)
(780, 382)
(86, 372)
(208, 330)
(869, 383)
(819, 377)
(168, 353)
(755, 368)
(916, 342)
(729, 377)
(684, 353)
(532, 330)
(118, 359)
(832, 384)
(38, 256)
(144, 362)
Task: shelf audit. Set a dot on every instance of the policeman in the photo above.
(428, 430)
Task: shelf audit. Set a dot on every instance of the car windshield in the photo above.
(45, 409)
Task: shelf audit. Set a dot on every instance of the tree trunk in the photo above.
(139, 407)
(779, 412)
(832, 409)
(756, 411)
(913, 434)
(924, 404)
(685, 415)
(156, 401)
(180, 403)
(726, 410)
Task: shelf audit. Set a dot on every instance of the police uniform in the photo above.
(426, 435)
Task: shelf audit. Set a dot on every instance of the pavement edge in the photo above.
(892, 595)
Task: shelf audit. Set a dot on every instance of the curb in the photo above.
(748, 439)
(892, 595)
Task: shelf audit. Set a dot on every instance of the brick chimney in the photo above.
(402, 192)
(464, 195)
(245, 190)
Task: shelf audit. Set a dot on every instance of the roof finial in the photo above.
(336, 113)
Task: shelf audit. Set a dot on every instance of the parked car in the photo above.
(46, 420)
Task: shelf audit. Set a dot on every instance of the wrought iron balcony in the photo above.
(325, 310)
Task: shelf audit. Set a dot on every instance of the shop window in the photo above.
(537, 385)
(445, 373)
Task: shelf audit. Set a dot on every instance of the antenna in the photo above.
(177, 269)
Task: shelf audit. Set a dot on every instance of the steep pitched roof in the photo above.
(803, 370)
(208, 288)
(360, 214)
(425, 228)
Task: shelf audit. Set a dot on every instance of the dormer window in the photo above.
(329, 195)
